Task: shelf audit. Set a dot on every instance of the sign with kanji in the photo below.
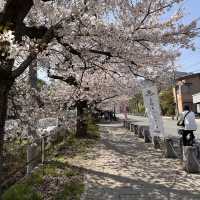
(152, 106)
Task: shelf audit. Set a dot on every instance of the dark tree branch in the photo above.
(32, 56)
(69, 47)
(150, 12)
(106, 98)
(17, 72)
(5, 70)
(147, 14)
(144, 45)
(13, 16)
(105, 53)
(31, 32)
(47, 38)
(15, 11)
(69, 80)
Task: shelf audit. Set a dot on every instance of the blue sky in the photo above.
(190, 60)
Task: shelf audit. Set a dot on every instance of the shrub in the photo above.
(71, 191)
(21, 191)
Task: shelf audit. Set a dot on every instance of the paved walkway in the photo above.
(123, 167)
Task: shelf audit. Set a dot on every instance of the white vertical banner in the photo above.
(152, 106)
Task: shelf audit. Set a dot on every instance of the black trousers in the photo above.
(188, 137)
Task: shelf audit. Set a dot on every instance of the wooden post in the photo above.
(31, 155)
(147, 136)
(190, 161)
(169, 148)
(43, 150)
(156, 143)
(140, 132)
(128, 125)
(124, 123)
(131, 127)
(136, 129)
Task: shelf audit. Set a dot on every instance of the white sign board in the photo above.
(198, 108)
(196, 98)
(152, 106)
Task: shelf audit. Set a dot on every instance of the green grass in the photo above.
(74, 146)
(21, 191)
(30, 187)
(71, 191)
(35, 178)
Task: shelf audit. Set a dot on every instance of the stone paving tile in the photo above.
(123, 167)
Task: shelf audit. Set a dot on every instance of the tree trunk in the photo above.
(33, 75)
(81, 127)
(5, 86)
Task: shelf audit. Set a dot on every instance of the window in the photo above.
(187, 88)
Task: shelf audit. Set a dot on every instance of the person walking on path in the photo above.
(187, 121)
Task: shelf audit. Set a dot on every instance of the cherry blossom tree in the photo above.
(85, 34)
(91, 89)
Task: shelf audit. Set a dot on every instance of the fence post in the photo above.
(140, 132)
(169, 148)
(147, 136)
(43, 149)
(136, 129)
(131, 127)
(31, 153)
(156, 143)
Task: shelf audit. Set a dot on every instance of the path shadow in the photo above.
(134, 189)
(125, 168)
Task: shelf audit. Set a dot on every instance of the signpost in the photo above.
(152, 106)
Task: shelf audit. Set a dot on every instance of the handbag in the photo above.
(182, 122)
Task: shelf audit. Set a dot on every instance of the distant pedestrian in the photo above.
(187, 121)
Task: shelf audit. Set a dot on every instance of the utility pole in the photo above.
(176, 98)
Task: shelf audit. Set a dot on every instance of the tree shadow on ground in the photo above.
(125, 168)
(133, 189)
